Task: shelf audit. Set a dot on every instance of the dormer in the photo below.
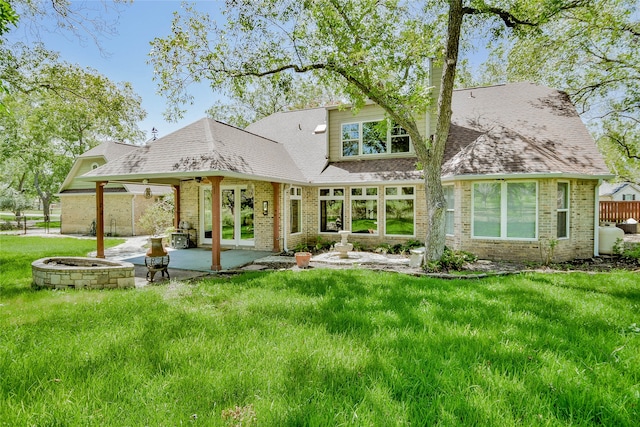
(369, 134)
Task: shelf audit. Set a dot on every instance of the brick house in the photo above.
(520, 171)
(124, 202)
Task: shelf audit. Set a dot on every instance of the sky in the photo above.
(125, 55)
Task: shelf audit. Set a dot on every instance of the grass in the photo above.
(319, 347)
(18, 252)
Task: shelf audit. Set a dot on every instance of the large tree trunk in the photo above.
(436, 204)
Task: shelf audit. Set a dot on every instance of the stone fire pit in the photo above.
(82, 273)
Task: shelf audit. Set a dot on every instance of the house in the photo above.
(619, 191)
(124, 202)
(520, 172)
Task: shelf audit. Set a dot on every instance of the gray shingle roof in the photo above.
(110, 150)
(206, 147)
(295, 129)
(518, 128)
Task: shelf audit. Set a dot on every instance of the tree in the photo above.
(271, 95)
(593, 53)
(373, 49)
(57, 112)
(8, 16)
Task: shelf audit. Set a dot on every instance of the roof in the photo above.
(110, 150)
(511, 129)
(205, 148)
(518, 128)
(296, 131)
(611, 188)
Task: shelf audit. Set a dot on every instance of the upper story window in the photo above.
(374, 138)
(626, 197)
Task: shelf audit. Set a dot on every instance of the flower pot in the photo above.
(302, 259)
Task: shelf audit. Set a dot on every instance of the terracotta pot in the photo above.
(157, 248)
(302, 259)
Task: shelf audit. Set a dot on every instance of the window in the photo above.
(399, 206)
(563, 210)
(448, 196)
(400, 141)
(375, 137)
(364, 210)
(628, 197)
(331, 209)
(505, 210)
(295, 210)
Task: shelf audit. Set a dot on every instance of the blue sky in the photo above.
(127, 56)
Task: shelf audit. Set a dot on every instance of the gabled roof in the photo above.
(611, 188)
(518, 128)
(205, 148)
(109, 150)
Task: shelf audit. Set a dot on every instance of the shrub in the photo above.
(158, 218)
(451, 261)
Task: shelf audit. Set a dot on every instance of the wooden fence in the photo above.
(619, 211)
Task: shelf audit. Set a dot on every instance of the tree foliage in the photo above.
(593, 53)
(55, 111)
(8, 16)
(271, 95)
(375, 50)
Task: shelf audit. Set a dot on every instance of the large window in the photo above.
(563, 210)
(505, 210)
(331, 209)
(364, 210)
(295, 210)
(449, 198)
(399, 206)
(375, 137)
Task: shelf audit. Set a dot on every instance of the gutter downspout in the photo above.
(596, 220)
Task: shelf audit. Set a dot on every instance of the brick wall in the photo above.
(78, 211)
(578, 245)
(581, 233)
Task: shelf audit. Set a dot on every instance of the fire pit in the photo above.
(81, 273)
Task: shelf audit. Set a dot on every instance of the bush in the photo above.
(158, 218)
(451, 261)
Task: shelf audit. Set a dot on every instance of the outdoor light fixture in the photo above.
(265, 208)
(147, 193)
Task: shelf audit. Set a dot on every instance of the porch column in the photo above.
(215, 222)
(276, 216)
(176, 206)
(100, 218)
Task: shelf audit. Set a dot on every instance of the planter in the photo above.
(302, 259)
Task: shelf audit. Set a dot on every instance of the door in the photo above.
(236, 215)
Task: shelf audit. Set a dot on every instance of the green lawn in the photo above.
(323, 347)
